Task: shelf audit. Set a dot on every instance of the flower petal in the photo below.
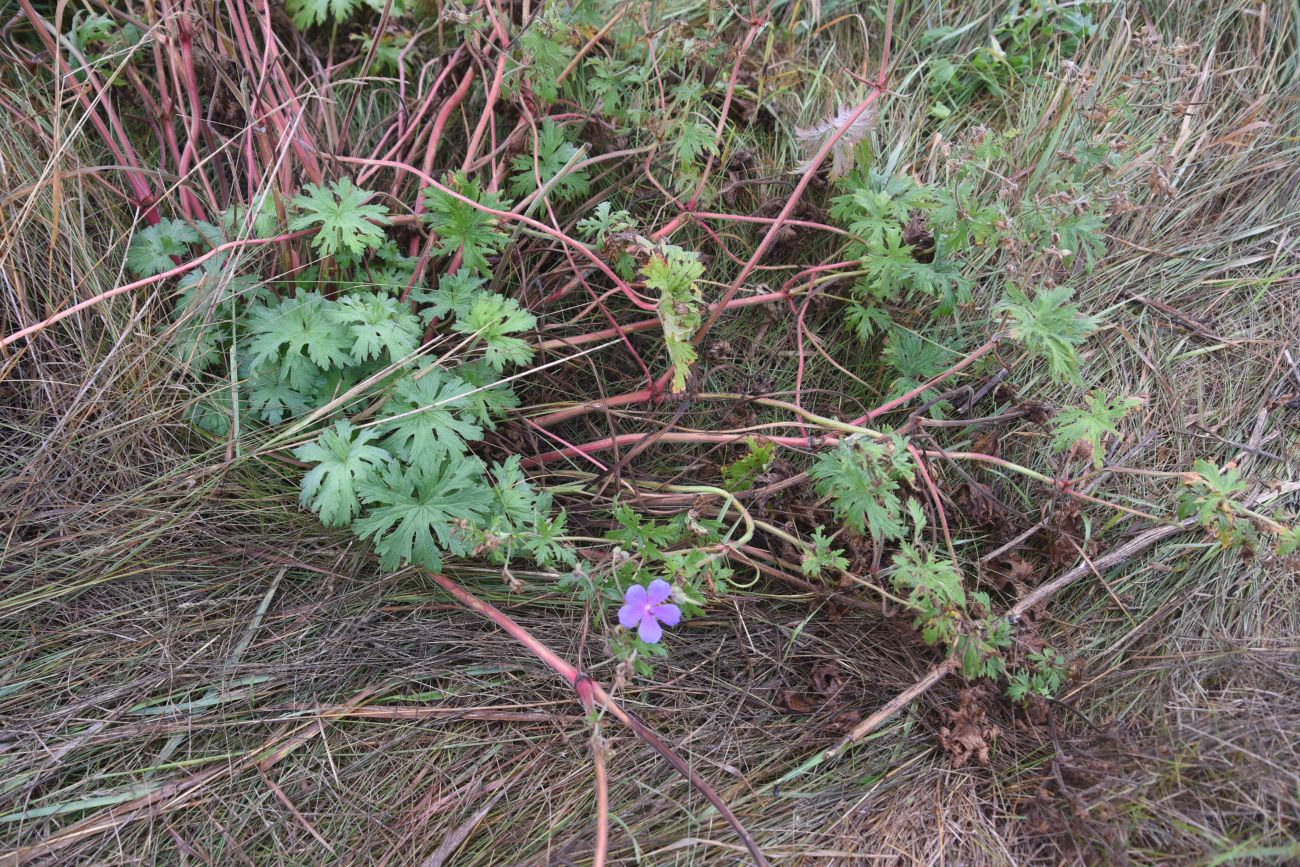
(659, 591)
(635, 596)
(649, 630)
(668, 614)
(629, 615)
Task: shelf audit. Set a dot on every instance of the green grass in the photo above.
(194, 671)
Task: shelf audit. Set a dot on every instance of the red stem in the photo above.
(921, 389)
(510, 216)
(654, 322)
(149, 281)
(119, 146)
(590, 692)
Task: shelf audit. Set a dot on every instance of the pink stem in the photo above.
(647, 324)
(148, 281)
(510, 216)
(590, 692)
(620, 440)
(921, 389)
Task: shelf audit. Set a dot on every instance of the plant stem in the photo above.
(590, 692)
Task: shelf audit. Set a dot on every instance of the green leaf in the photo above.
(1288, 541)
(272, 399)
(493, 319)
(454, 295)
(1210, 497)
(739, 475)
(862, 479)
(875, 211)
(378, 324)
(603, 223)
(673, 272)
(922, 574)
(1048, 326)
(823, 557)
(388, 54)
(152, 249)
(916, 360)
(553, 153)
(618, 85)
(307, 13)
(545, 55)
(513, 497)
(491, 399)
(1090, 424)
(546, 541)
(417, 514)
(347, 225)
(691, 139)
(344, 458)
(298, 338)
(865, 322)
(461, 226)
(235, 220)
(424, 423)
(934, 590)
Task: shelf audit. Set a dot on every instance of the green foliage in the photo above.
(946, 614)
(298, 338)
(1065, 232)
(673, 272)
(1049, 327)
(422, 423)
(544, 51)
(1021, 43)
(554, 151)
(1211, 496)
(241, 220)
(454, 296)
(462, 227)
(388, 54)
(604, 222)
(1043, 676)
(691, 140)
(106, 44)
(494, 319)
(490, 399)
(865, 322)
(619, 87)
(934, 590)
(739, 475)
(887, 219)
(862, 478)
(378, 324)
(309, 13)
(681, 551)
(822, 558)
(1288, 541)
(343, 457)
(346, 225)
(980, 647)
(418, 512)
(390, 440)
(272, 399)
(874, 212)
(916, 361)
(1089, 425)
(154, 250)
(406, 480)
(522, 521)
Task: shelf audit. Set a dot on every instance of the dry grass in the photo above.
(194, 672)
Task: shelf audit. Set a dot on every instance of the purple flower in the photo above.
(647, 607)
